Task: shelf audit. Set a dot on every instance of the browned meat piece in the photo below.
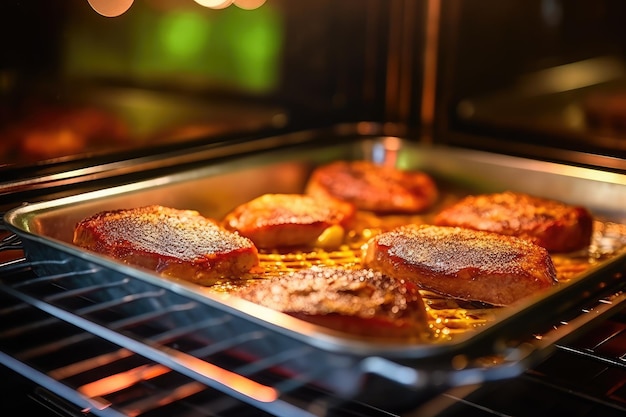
(361, 302)
(463, 263)
(288, 220)
(371, 187)
(176, 243)
(556, 226)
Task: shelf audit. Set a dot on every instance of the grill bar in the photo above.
(61, 390)
(225, 380)
(46, 348)
(132, 370)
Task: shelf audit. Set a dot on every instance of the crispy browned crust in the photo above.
(372, 187)
(556, 226)
(176, 243)
(463, 263)
(361, 302)
(287, 220)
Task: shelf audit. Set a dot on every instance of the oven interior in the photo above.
(251, 354)
(89, 102)
(540, 87)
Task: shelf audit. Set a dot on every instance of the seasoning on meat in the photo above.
(372, 187)
(556, 226)
(462, 263)
(172, 242)
(358, 301)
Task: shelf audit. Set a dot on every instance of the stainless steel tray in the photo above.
(470, 344)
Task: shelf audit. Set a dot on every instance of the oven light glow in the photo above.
(222, 4)
(114, 8)
(110, 8)
(214, 4)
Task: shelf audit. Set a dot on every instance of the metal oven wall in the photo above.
(520, 76)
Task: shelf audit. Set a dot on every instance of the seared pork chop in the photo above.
(371, 187)
(556, 226)
(172, 242)
(361, 302)
(462, 263)
(288, 220)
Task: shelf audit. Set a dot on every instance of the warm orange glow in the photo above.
(115, 383)
(87, 364)
(232, 380)
(118, 382)
(144, 405)
(111, 8)
(249, 4)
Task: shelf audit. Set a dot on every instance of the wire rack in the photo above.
(115, 345)
(89, 348)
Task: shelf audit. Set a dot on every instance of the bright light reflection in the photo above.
(114, 8)
(111, 8)
(214, 4)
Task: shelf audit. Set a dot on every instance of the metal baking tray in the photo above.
(470, 343)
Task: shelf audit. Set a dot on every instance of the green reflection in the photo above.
(183, 35)
(254, 37)
(230, 47)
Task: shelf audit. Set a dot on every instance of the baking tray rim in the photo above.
(16, 221)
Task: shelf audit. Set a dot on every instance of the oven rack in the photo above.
(156, 334)
(153, 333)
(106, 372)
